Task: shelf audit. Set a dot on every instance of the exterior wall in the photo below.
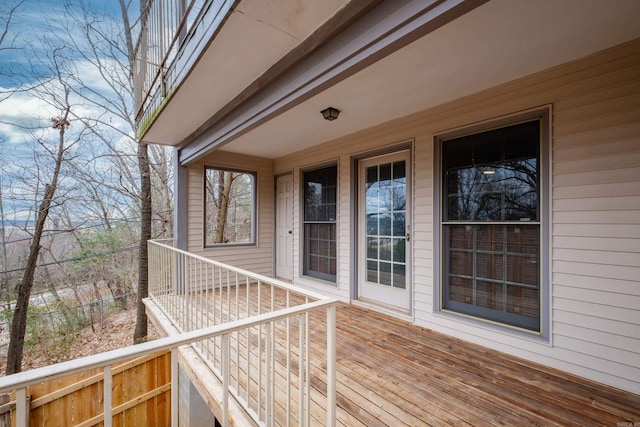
(595, 212)
(258, 258)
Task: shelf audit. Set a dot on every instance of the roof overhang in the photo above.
(236, 48)
(406, 56)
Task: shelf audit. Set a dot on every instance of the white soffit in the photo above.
(258, 32)
(495, 43)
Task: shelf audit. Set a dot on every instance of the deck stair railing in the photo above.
(268, 367)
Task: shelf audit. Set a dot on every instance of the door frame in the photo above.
(355, 246)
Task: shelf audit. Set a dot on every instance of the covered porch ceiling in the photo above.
(493, 43)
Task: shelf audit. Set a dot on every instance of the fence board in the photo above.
(141, 390)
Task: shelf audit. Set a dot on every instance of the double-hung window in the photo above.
(320, 201)
(491, 224)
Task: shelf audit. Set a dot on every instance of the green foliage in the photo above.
(98, 257)
(58, 334)
(97, 243)
(48, 332)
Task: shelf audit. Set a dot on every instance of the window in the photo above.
(320, 197)
(229, 207)
(491, 225)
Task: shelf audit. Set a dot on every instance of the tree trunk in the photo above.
(4, 279)
(19, 323)
(140, 333)
(226, 180)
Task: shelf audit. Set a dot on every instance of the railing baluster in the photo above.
(301, 405)
(108, 397)
(228, 296)
(248, 332)
(268, 351)
(331, 366)
(209, 284)
(237, 334)
(288, 363)
(225, 379)
(307, 362)
(260, 355)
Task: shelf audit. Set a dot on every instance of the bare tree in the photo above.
(117, 177)
(142, 171)
(19, 322)
(140, 332)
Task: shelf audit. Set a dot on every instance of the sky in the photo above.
(33, 35)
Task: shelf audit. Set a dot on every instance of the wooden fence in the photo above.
(141, 396)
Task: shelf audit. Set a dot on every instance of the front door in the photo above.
(284, 227)
(383, 235)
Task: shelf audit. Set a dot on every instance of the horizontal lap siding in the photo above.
(596, 227)
(259, 258)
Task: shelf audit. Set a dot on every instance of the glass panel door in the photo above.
(384, 230)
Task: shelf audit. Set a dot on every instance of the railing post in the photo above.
(21, 407)
(301, 371)
(107, 402)
(269, 368)
(175, 387)
(331, 366)
(225, 378)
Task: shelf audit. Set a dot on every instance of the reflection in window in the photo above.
(229, 206)
(385, 204)
(320, 202)
(491, 227)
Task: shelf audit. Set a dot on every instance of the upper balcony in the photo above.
(196, 38)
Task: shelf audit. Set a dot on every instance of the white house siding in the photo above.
(258, 258)
(595, 206)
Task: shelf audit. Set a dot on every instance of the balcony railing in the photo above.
(267, 367)
(169, 28)
(253, 332)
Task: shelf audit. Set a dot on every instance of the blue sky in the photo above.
(34, 31)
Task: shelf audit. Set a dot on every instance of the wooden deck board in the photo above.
(478, 385)
(392, 373)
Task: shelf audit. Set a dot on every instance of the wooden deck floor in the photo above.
(391, 373)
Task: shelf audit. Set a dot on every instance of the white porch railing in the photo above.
(261, 353)
(268, 366)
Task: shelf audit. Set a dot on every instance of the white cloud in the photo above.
(20, 115)
(23, 115)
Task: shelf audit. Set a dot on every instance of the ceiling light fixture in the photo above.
(330, 113)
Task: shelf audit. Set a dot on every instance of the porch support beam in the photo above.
(179, 203)
(385, 29)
